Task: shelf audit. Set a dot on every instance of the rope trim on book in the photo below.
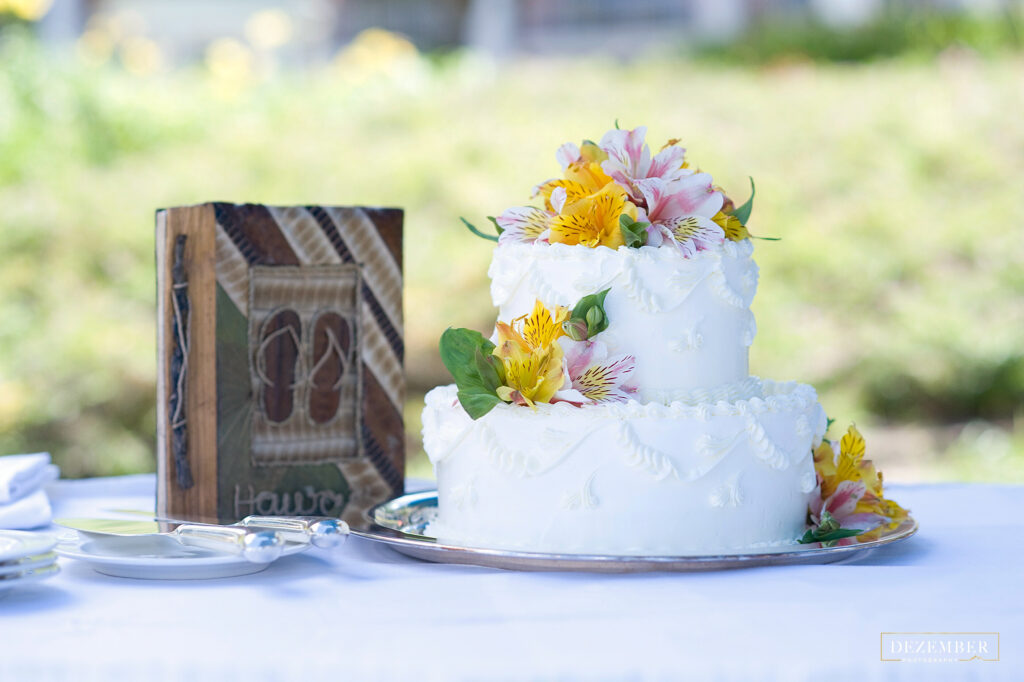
(179, 365)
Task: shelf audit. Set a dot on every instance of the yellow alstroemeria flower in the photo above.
(588, 174)
(582, 177)
(593, 220)
(532, 357)
(850, 465)
(574, 191)
(730, 224)
(541, 328)
(847, 466)
(734, 229)
(536, 374)
(891, 510)
(851, 455)
(825, 467)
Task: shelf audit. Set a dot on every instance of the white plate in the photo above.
(27, 564)
(17, 544)
(158, 558)
(22, 579)
(403, 524)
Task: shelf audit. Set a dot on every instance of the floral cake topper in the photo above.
(616, 193)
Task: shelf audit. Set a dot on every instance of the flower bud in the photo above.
(828, 524)
(575, 329)
(591, 153)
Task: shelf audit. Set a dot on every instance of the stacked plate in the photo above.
(26, 558)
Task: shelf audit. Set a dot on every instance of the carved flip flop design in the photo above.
(332, 348)
(279, 364)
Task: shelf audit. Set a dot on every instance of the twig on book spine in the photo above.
(179, 365)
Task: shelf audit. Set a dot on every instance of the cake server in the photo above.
(257, 546)
(319, 531)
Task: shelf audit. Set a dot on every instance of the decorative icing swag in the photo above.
(549, 271)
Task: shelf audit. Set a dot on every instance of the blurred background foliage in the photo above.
(889, 158)
(906, 31)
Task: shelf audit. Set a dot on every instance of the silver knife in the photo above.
(257, 546)
(319, 531)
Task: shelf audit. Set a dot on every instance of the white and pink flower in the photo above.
(568, 154)
(629, 160)
(680, 212)
(594, 377)
(842, 505)
(524, 224)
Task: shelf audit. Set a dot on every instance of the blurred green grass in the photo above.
(897, 288)
(916, 31)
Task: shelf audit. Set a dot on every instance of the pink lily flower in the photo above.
(680, 212)
(593, 377)
(524, 224)
(568, 154)
(842, 505)
(629, 160)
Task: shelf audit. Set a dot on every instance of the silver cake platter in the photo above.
(401, 524)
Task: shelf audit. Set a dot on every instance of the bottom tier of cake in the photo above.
(627, 478)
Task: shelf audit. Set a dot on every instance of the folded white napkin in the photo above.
(21, 475)
(23, 502)
(31, 511)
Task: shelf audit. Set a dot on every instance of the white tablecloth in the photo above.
(365, 612)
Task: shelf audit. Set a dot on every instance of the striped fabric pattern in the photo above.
(298, 238)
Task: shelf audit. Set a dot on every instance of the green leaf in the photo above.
(477, 373)
(743, 212)
(497, 228)
(478, 233)
(633, 233)
(617, 124)
(589, 311)
(477, 405)
(828, 532)
(490, 369)
(839, 534)
(458, 348)
(807, 538)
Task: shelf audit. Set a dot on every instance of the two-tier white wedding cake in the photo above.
(612, 411)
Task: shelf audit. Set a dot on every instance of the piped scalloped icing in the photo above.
(446, 425)
(734, 473)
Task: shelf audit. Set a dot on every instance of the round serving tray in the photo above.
(401, 525)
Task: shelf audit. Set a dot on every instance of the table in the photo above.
(365, 612)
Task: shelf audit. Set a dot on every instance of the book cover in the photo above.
(280, 351)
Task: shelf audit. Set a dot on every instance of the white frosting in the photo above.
(626, 478)
(707, 460)
(740, 390)
(687, 321)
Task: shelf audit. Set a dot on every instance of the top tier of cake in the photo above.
(687, 321)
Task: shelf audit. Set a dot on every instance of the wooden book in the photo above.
(280, 384)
